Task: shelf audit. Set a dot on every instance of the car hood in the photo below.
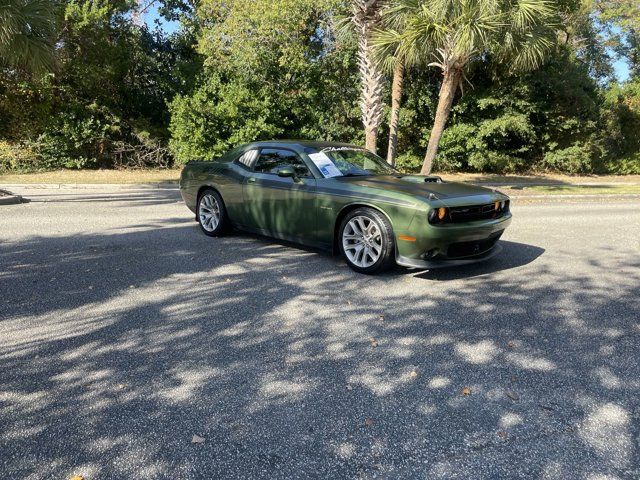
(416, 185)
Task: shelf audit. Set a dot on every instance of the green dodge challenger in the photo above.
(345, 199)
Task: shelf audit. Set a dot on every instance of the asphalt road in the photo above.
(124, 332)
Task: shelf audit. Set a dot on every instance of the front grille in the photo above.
(474, 212)
(476, 247)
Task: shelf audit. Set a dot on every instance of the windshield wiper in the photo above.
(356, 174)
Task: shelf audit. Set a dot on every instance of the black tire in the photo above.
(208, 200)
(386, 244)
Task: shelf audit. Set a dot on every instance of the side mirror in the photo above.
(287, 171)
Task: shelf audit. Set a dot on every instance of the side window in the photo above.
(271, 159)
(247, 158)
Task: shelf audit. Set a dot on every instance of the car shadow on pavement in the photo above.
(513, 255)
(117, 348)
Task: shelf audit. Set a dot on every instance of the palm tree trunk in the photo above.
(366, 18)
(371, 138)
(450, 83)
(396, 96)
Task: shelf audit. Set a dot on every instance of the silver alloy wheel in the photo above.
(362, 241)
(209, 212)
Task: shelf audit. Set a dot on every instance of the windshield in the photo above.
(351, 161)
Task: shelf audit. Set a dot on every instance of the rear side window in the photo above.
(271, 159)
(247, 158)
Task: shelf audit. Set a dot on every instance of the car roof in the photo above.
(300, 143)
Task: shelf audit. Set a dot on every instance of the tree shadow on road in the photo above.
(127, 198)
(116, 348)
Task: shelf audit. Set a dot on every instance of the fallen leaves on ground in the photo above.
(413, 374)
(197, 439)
(368, 421)
(466, 391)
(512, 395)
(502, 434)
(77, 477)
(373, 342)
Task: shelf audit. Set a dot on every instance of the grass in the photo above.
(94, 176)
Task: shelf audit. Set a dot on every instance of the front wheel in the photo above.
(211, 213)
(366, 241)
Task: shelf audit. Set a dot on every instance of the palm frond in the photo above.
(519, 32)
(27, 30)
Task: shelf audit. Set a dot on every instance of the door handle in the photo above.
(251, 180)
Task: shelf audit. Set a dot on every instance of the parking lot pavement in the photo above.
(133, 346)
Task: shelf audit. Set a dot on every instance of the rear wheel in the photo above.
(211, 214)
(366, 241)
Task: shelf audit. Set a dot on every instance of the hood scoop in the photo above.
(433, 179)
(421, 179)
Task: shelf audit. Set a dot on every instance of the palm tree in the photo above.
(386, 42)
(452, 33)
(366, 18)
(27, 34)
(394, 118)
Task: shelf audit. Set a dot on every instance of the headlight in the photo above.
(437, 215)
(502, 206)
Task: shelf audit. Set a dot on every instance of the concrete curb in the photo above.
(9, 198)
(586, 195)
(553, 184)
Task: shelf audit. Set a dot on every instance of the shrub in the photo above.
(458, 143)
(624, 166)
(217, 116)
(575, 159)
(21, 157)
(409, 163)
(78, 138)
(493, 145)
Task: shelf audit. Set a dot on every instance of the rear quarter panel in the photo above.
(224, 177)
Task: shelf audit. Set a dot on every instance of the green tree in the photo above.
(106, 102)
(621, 22)
(272, 69)
(454, 32)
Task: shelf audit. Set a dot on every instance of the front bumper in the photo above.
(447, 262)
(449, 245)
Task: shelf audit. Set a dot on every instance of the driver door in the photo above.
(283, 207)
